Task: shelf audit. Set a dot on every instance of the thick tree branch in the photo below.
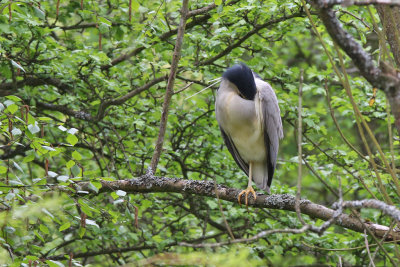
(390, 16)
(331, 3)
(9, 87)
(151, 184)
(65, 110)
(386, 79)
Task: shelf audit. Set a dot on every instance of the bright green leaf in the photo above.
(64, 226)
(44, 229)
(76, 155)
(72, 139)
(70, 163)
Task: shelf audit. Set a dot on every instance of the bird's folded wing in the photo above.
(235, 154)
(272, 125)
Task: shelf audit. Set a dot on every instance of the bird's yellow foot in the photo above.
(247, 192)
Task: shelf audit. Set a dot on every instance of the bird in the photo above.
(248, 115)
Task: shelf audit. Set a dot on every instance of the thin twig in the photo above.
(245, 240)
(389, 123)
(299, 148)
(121, 143)
(222, 212)
(382, 241)
(367, 247)
(183, 89)
(359, 118)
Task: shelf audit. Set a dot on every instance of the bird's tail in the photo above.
(260, 176)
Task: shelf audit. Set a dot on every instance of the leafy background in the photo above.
(63, 62)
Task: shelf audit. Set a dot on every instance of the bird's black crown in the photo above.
(242, 76)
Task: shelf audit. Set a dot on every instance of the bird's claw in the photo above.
(247, 192)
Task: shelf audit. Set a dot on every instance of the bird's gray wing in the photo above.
(271, 123)
(235, 154)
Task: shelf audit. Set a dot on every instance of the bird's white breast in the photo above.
(238, 118)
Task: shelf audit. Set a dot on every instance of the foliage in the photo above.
(66, 67)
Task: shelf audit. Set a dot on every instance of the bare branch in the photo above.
(104, 105)
(390, 210)
(170, 86)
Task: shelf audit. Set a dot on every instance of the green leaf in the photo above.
(212, 204)
(76, 171)
(39, 13)
(14, 98)
(69, 164)
(96, 184)
(12, 108)
(47, 119)
(85, 208)
(53, 263)
(105, 21)
(44, 229)
(114, 195)
(217, 2)
(135, 5)
(29, 158)
(94, 188)
(76, 155)
(3, 169)
(64, 226)
(38, 235)
(72, 139)
(81, 232)
(104, 28)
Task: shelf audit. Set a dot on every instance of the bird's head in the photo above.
(242, 77)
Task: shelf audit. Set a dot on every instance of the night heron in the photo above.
(248, 115)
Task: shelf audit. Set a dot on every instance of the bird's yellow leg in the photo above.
(249, 187)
